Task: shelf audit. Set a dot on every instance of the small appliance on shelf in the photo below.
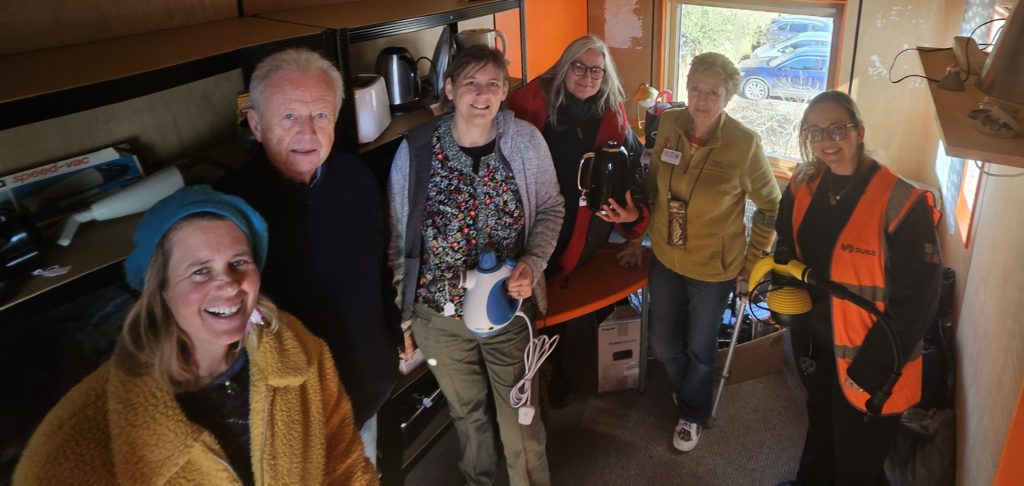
(372, 113)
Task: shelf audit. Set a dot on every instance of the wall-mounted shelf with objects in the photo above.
(54, 82)
(402, 124)
(98, 247)
(961, 138)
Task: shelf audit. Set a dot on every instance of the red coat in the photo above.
(530, 104)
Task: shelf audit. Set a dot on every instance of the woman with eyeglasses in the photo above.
(578, 105)
(856, 222)
(704, 166)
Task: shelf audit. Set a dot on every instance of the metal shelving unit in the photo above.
(50, 83)
(363, 20)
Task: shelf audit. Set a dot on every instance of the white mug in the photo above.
(487, 37)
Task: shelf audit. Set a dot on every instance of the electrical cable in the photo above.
(922, 49)
(993, 174)
(925, 49)
(534, 354)
(967, 42)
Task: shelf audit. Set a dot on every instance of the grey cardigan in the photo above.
(522, 147)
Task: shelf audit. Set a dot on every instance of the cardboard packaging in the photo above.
(57, 189)
(762, 356)
(618, 351)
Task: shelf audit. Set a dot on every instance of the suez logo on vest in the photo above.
(850, 248)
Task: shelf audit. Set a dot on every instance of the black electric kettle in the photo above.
(607, 176)
(398, 68)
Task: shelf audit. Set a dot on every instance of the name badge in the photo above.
(671, 156)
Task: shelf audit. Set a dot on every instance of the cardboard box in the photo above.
(57, 189)
(762, 356)
(618, 351)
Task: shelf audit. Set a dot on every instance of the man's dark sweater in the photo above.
(327, 265)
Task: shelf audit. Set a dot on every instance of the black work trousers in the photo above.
(840, 447)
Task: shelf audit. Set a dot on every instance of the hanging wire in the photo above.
(967, 43)
(922, 49)
(993, 174)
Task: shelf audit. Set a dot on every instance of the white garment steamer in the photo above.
(487, 309)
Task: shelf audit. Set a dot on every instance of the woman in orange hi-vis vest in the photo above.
(855, 222)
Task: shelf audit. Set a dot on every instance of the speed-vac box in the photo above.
(618, 351)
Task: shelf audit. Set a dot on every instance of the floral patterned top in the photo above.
(465, 212)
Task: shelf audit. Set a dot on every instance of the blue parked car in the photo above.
(800, 75)
(799, 41)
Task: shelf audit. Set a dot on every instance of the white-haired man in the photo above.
(327, 261)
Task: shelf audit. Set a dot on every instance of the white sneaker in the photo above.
(686, 435)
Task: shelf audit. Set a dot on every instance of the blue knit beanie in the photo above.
(184, 202)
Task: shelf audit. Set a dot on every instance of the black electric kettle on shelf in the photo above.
(606, 177)
(398, 68)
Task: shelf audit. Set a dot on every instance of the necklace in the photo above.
(834, 198)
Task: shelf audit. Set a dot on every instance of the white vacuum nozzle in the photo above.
(135, 198)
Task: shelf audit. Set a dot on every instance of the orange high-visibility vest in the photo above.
(858, 263)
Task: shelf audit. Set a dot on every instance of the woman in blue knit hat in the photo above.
(209, 383)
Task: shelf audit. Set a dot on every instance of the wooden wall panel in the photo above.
(28, 25)
(164, 126)
(900, 120)
(256, 7)
(990, 331)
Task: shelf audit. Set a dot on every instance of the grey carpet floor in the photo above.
(624, 438)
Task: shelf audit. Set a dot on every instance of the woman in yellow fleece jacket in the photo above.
(208, 384)
(704, 166)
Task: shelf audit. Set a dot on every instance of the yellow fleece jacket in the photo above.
(715, 182)
(116, 429)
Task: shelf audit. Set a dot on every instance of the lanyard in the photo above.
(672, 171)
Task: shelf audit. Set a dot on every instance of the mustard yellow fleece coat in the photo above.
(116, 429)
(734, 169)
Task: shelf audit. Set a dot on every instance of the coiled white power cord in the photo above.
(536, 352)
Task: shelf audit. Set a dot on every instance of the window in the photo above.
(784, 51)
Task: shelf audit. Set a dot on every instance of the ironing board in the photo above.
(598, 283)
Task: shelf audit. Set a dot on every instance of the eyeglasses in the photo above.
(835, 131)
(579, 69)
(712, 94)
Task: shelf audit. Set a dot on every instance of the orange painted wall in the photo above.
(1011, 468)
(550, 26)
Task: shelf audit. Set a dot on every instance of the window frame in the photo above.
(835, 9)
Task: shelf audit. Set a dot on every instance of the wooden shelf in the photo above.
(54, 82)
(99, 244)
(96, 245)
(401, 124)
(960, 137)
(398, 127)
(370, 19)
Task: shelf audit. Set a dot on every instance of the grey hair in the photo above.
(295, 59)
(716, 64)
(609, 96)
